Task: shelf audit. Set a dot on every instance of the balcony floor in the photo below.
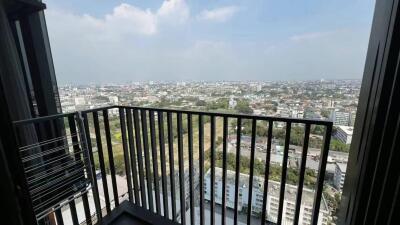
(129, 214)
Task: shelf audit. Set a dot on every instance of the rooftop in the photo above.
(347, 129)
(342, 166)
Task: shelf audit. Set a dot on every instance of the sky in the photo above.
(113, 41)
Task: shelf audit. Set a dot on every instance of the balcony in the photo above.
(136, 165)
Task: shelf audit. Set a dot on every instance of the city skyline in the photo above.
(128, 82)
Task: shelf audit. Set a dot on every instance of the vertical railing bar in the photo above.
(110, 156)
(143, 118)
(74, 138)
(126, 155)
(101, 160)
(161, 141)
(86, 207)
(140, 158)
(302, 172)
(201, 169)
(237, 175)
(224, 169)
(266, 174)
(191, 168)
(321, 174)
(72, 129)
(155, 161)
(171, 164)
(212, 152)
(74, 216)
(83, 127)
(59, 217)
(252, 153)
(284, 172)
(182, 195)
(133, 156)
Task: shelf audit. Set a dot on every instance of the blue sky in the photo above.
(103, 41)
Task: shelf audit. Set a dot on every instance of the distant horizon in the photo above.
(205, 81)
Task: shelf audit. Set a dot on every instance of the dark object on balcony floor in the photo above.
(130, 214)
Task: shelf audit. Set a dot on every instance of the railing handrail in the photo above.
(195, 112)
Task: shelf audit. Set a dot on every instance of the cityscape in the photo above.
(333, 100)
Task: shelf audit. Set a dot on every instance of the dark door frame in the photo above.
(371, 188)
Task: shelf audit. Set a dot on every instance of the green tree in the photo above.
(221, 103)
(337, 145)
(316, 129)
(201, 103)
(275, 171)
(325, 113)
(243, 107)
(261, 127)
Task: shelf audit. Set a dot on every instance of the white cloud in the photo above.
(309, 36)
(176, 11)
(126, 19)
(218, 15)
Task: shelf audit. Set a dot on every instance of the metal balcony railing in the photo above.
(176, 164)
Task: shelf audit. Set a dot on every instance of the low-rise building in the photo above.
(232, 103)
(340, 118)
(272, 204)
(344, 134)
(340, 173)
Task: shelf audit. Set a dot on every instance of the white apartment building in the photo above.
(257, 198)
(344, 134)
(297, 113)
(340, 173)
(232, 103)
(80, 100)
(113, 99)
(68, 106)
(340, 118)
